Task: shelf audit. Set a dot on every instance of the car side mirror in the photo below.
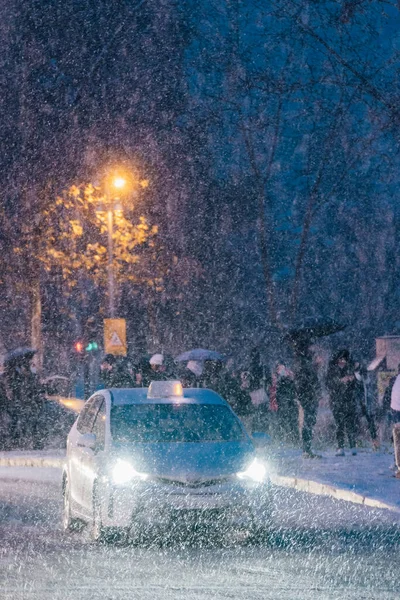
(87, 440)
(260, 439)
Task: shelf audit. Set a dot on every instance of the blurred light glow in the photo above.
(119, 182)
(124, 472)
(256, 471)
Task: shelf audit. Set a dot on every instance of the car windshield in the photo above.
(174, 423)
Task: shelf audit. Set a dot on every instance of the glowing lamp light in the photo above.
(119, 182)
(79, 346)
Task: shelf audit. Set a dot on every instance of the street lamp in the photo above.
(118, 183)
(114, 186)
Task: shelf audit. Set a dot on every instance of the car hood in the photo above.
(189, 461)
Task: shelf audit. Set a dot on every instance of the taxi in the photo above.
(144, 457)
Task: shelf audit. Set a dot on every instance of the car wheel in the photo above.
(101, 534)
(97, 529)
(68, 522)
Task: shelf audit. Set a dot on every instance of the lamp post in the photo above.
(110, 266)
(117, 184)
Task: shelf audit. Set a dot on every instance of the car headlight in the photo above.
(256, 471)
(123, 472)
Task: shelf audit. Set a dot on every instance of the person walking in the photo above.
(366, 402)
(395, 401)
(26, 402)
(287, 424)
(341, 383)
(395, 418)
(308, 392)
(191, 374)
(257, 383)
(157, 368)
(108, 371)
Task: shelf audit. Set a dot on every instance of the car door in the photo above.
(91, 457)
(76, 451)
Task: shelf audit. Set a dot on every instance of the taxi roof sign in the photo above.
(165, 389)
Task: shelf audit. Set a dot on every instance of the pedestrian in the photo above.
(157, 368)
(257, 383)
(287, 414)
(26, 402)
(170, 367)
(108, 371)
(124, 374)
(366, 402)
(191, 376)
(341, 383)
(212, 375)
(238, 398)
(395, 401)
(308, 392)
(386, 411)
(5, 418)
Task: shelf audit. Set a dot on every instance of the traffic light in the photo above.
(92, 346)
(78, 346)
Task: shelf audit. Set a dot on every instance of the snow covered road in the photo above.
(320, 548)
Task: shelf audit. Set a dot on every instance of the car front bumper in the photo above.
(154, 504)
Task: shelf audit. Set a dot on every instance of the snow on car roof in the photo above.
(121, 396)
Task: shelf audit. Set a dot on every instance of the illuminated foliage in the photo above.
(75, 238)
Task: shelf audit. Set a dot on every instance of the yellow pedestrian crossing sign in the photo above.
(115, 337)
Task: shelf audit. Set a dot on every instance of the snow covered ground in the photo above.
(319, 549)
(367, 475)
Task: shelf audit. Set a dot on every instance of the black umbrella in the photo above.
(315, 330)
(19, 354)
(304, 336)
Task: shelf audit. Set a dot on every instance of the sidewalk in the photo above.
(32, 458)
(364, 479)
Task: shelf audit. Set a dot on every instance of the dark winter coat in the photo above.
(341, 393)
(307, 382)
(239, 399)
(229, 389)
(285, 393)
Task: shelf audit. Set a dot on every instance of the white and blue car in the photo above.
(138, 458)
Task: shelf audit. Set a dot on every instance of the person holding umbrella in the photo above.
(25, 398)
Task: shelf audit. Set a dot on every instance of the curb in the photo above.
(21, 461)
(324, 489)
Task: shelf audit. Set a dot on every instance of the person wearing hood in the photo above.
(341, 383)
(157, 368)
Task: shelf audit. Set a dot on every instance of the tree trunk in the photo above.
(36, 324)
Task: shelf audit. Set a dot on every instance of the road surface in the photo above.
(320, 548)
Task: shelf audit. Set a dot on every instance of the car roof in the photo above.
(123, 396)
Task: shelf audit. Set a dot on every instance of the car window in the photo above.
(174, 423)
(88, 414)
(84, 418)
(99, 426)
